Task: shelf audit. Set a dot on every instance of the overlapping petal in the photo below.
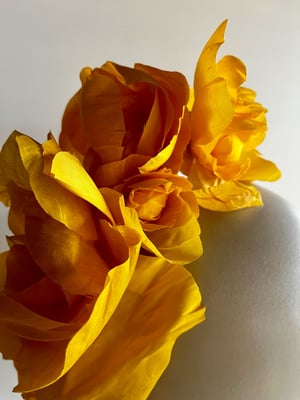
(227, 125)
(123, 119)
(134, 347)
(168, 213)
(62, 278)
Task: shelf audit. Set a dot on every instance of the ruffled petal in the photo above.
(36, 364)
(134, 348)
(228, 196)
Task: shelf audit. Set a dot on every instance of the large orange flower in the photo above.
(124, 118)
(72, 281)
(227, 125)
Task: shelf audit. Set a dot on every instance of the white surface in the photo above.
(249, 346)
(44, 44)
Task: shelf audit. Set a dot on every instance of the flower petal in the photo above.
(67, 170)
(228, 196)
(67, 259)
(56, 201)
(261, 169)
(34, 369)
(134, 348)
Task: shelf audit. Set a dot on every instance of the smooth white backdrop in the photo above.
(45, 43)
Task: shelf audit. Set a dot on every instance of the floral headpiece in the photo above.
(94, 291)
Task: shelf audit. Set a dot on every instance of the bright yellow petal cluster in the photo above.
(93, 289)
(227, 125)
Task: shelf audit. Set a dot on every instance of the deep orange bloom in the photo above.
(123, 119)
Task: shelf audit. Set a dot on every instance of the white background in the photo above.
(45, 43)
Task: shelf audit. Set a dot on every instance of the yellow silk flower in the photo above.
(168, 212)
(76, 294)
(226, 127)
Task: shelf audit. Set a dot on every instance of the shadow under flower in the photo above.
(249, 276)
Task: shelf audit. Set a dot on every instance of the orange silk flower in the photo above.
(123, 119)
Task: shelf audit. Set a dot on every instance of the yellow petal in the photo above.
(28, 325)
(233, 71)
(72, 137)
(212, 112)
(228, 196)
(56, 201)
(11, 165)
(128, 358)
(111, 174)
(175, 245)
(160, 158)
(36, 364)
(67, 170)
(206, 69)
(68, 260)
(261, 169)
(101, 111)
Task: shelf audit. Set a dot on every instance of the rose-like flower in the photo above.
(168, 211)
(227, 125)
(75, 293)
(126, 119)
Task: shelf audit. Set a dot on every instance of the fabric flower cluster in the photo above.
(93, 288)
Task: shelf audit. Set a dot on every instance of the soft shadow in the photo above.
(249, 345)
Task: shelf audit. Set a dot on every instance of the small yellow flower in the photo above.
(168, 212)
(227, 125)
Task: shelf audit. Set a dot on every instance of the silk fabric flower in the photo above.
(168, 211)
(69, 282)
(124, 120)
(227, 125)
(93, 291)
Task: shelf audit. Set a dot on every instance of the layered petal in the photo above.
(134, 348)
(227, 125)
(123, 119)
(168, 213)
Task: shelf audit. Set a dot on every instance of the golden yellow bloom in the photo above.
(226, 127)
(168, 211)
(123, 119)
(74, 288)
